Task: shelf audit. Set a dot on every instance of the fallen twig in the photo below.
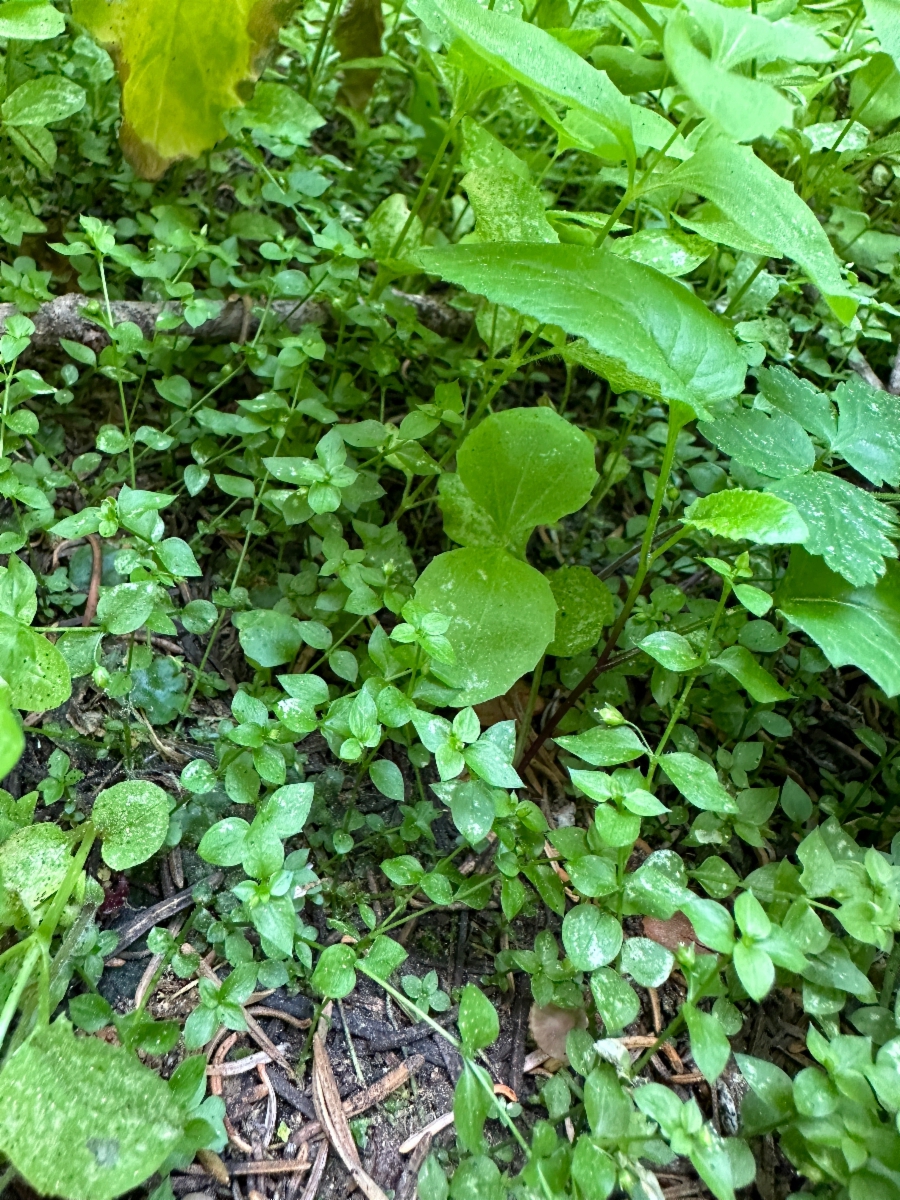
(333, 1119)
(163, 911)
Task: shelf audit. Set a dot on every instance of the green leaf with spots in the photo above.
(132, 818)
(584, 609)
(502, 618)
(108, 1122)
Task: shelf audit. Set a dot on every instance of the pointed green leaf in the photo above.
(751, 516)
(759, 684)
(750, 194)
(852, 625)
(528, 55)
(697, 781)
(604, 747)
(642, 331)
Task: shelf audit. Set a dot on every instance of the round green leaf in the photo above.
(132, 818)
(223, 843)
(107, 1122)
(591, 938)
(334, 976)
(37, 674)
(268, 637)
(526, 467)
(648, 963)
(584, 607)
(502, 614)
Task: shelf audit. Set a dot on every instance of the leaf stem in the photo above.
(679, 415)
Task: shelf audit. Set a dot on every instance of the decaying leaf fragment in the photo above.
(357, 34)
(182, 64)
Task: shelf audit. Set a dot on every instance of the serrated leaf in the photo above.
(847, 526)
(852, 625)
(181, 72)
(751, 516)
(800, 399)
(774, 445)
(868, 433)
(643, 331)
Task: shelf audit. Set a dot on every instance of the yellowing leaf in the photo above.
(182, 63)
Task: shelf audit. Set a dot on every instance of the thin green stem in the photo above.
(679, 415)
(529, 709)
(18, 987)
(320, 47)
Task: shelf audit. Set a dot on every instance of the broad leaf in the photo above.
(502, 614)
(800, 399)
(584, 608)
(643, 331)
(868, 434)
(12, 739)
(108, 1122)
(751, 516)
(852, 625)
(604, 747)
(745, 107)
(268, 636)
(757, 200)
(773, 445)
(507, 208)
(530, 56)
(592, 938)
(847, 525)
(33, 863)
(132, 818)
(527, 467)
(670, 650)
(181, 71)
(37, 674)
